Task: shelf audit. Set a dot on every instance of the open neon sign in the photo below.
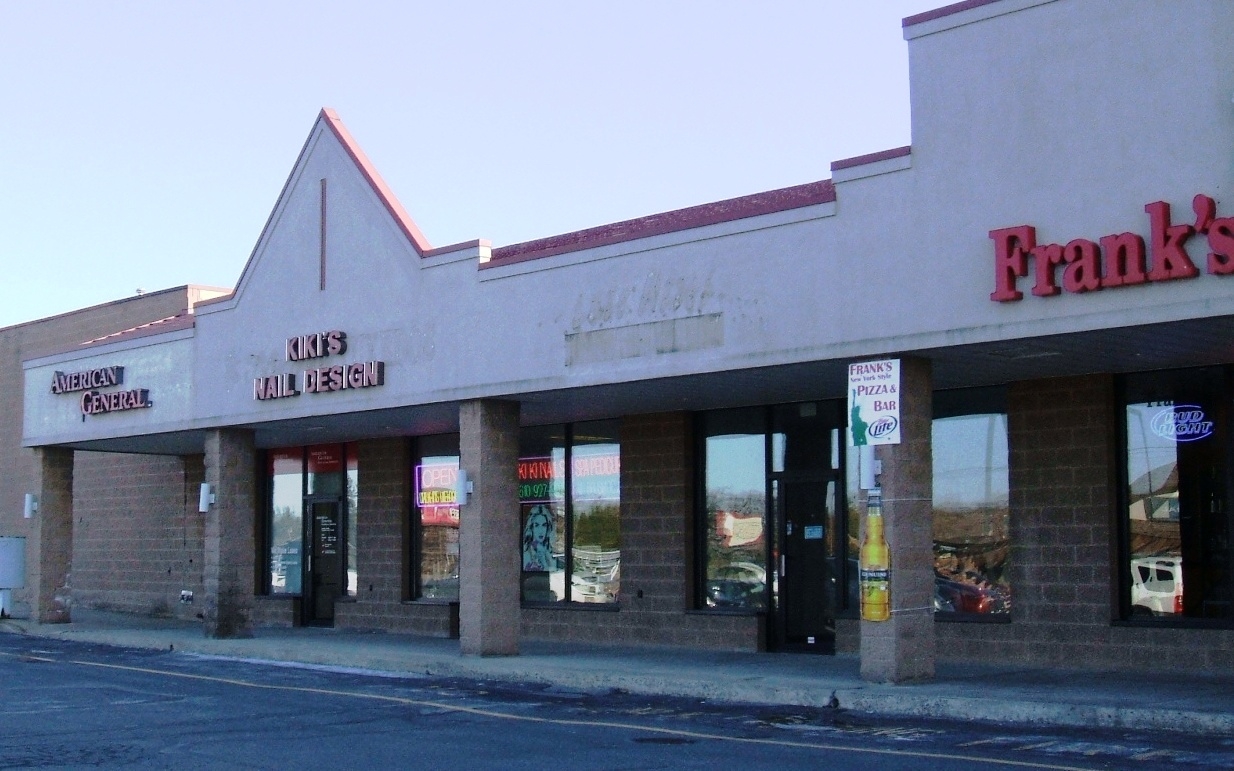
(436, 497)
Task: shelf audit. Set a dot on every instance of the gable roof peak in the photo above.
(332, 121)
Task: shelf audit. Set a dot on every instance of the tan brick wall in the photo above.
(275, 611)
(40, 338)
(1062, 435)
(657, 467)
(137, 535)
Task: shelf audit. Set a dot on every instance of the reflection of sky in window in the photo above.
(735, 463)
(287, 491)
(594, 450)
(970, 460)
(596, 486)
(1147, 452)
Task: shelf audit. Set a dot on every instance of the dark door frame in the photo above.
(309, 615)
(823, 638)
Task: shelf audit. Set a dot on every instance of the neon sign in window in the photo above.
(436, 497)
(595, 477)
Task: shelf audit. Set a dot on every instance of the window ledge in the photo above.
(724, 612)
(595, 607)
(973, 618)
(1174, 623)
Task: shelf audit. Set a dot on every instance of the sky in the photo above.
(146, 143)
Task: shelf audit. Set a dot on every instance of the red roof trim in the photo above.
(939, 13)
(769, 202)
(157, 327)
(862, 160)
(379, 186)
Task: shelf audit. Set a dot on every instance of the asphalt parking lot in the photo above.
(71, 704)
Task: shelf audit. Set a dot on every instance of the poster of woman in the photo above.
(538, 539)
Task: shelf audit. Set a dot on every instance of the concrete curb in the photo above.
(1034, 712)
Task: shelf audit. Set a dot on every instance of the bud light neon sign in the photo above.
(1182, 423)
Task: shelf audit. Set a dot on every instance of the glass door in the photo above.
(803, 480)
(323, 580)
(773, 530)
(805, 613)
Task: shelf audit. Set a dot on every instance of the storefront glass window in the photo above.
(437, 515)
(773, 532)
(595, 495)
(570, 549)
(353, 516)
(735, 487)
(972, 540)
(1176, 538)
(285, 468)
(321, 471)
(325, 469)
(541, 497)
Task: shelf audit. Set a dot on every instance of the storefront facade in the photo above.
(654, 415)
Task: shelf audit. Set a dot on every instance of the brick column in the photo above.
(902, 649)
(657, 548)
(489, 567)
(230, 538)
(1063, 438)
(53, 532)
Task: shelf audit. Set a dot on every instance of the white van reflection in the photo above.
(1156, 586)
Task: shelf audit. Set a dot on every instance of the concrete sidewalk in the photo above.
(1201, 705)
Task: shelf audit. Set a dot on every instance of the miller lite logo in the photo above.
(883, 426)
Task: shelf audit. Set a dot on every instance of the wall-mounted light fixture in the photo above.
(205, 498)
(31, 506)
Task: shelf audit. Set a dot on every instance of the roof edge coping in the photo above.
(768, 202)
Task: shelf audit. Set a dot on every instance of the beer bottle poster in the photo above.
(874, 402)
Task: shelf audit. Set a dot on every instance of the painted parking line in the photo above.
(654, 730)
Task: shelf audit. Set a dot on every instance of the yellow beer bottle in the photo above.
(875, 564)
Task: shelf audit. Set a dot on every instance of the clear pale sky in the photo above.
(145, 143)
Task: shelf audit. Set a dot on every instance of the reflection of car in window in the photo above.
(959, 597)
(968, 576)
(736, 586)
(1156, 586)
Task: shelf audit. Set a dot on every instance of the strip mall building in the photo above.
(652, 414)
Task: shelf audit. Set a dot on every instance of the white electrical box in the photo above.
(12, 563)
